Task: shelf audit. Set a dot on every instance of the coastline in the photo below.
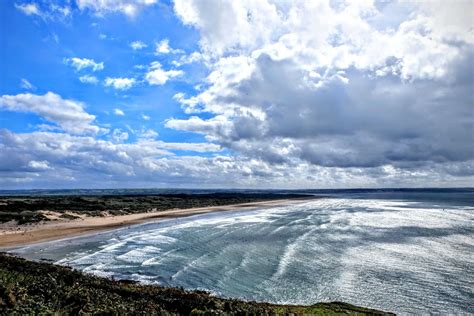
(14, 235)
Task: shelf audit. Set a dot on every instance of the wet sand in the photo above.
(13, 235)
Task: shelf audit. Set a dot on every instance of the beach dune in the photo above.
(14, 235)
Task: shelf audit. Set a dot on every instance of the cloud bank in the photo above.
(69, 115)
(338, 86)
(309, 94)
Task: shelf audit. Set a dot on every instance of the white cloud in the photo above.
(89, 79)
(47, 11)
(83, 63)
(163, 47)
(60, 11)
(25, 84)
(188, 59)
(157, 76)
(136, 45)
(47, 127)
(120, 83)
(147, 134)
(215, 128)
(145, 117)
(320, 82)
(39, 165)
(451, 20)
(119, 136)
(69, 115)
(118, 112)
(196, 147)
(28, 8)
(348, 35)
(128, 7)
(230, 24)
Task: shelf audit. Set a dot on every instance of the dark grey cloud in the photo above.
(366, 121)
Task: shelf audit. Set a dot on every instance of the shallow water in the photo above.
(405, 256)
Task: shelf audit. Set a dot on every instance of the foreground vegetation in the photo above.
(28, 209)
(28, 287)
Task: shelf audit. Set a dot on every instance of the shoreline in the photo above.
(14, 235)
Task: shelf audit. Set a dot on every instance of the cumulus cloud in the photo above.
(84, 63)
(128, 7)
(348, 35)
(137, 45)
(120, 83)
(163, 47)
(39, 165)
(188, 59)
(372, 87)
(119, 136)
(69, 115)
(28, 8)
(89, 79)
(214, 128)
(158, 76)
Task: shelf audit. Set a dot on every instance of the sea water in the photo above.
(409, 252)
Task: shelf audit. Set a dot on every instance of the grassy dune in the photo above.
(28, 287)
(28, 209)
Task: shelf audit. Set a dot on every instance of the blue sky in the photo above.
(263, 94)
(35, 49)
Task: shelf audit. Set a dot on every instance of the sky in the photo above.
(236, 94)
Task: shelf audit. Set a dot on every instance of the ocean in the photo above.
(404, 251)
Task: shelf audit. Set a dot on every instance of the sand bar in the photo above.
(13, 235)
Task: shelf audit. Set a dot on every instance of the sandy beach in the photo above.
(13, 235)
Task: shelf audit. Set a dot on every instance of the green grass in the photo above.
(31, 288)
